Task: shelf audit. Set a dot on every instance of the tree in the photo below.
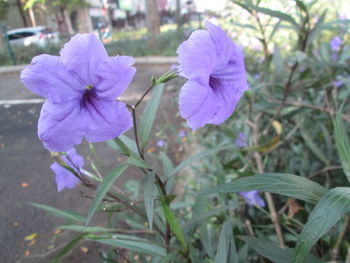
(152, 20)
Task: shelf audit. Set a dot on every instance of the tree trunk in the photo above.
(67, 21)
(32, 17)
(20, 9)
(84, 20)
(152, 21)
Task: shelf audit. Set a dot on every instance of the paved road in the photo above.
(25, 175)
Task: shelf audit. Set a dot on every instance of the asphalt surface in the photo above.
(25, 175)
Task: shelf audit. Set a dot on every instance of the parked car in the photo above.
(26, 36)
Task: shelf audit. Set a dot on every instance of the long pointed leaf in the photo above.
(272, 251)
(102, 190)
(285, 184)
(149, 195)
(70, 215)
(149, 115)
(342, 142)
(329, 210)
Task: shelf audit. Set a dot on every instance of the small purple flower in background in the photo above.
(64, 178)
(160, 143)
(214, 67)
(253, 198)
(181, 134)
(81, 86)
(335, 43)
(241, 141)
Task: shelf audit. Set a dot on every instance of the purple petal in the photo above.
(198, 104)
(106, 120)
(336, 43)
(160, 143)
(46, 76)
(253, 198)
(64, 178)
(115, 75)
(82, 55)
(241, 141)
(223, 45)
(60, 125)
(197, 55)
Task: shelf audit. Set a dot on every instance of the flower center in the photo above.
(214, 83)
(88, 96)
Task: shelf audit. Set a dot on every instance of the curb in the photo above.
(138, 61)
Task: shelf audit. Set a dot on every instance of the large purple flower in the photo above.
(214, 67)
(81, 86)
(64, 178)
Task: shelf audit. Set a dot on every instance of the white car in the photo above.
(26, 36)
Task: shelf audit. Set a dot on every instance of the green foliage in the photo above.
(4, 5)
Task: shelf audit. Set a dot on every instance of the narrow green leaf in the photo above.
(279, 64)
(272, 251)
(67, 249)
(139, 246)
(329, 210)
(285, 184)
(171, 219)
(102, 190)
(314, 148)
(317, 29)
(198, 156)
(342, 142)
(167, 163)
(149, 115)
(70, 215)
(274, 13)
(302, 6)
(224, 244)
(149, 195)
(86, 229)
(136, 160)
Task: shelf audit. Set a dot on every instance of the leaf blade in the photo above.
(102, 190)
(294, 186)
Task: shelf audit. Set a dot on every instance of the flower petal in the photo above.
(107, 120)
(115, 75)
(64, 178)
(61, 125)
(46, 76)
(82, 55)
(74, 159)
(223, 44)
(229, 84)
(197, 56)
(198, 104)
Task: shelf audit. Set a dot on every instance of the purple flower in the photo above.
(160, 143)
(336, 43)
(241, 141)
(81, 86)
(253, 198)
(181, 134)
(214, 67)
(64, 178)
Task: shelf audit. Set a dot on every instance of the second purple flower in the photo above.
(214, 67)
